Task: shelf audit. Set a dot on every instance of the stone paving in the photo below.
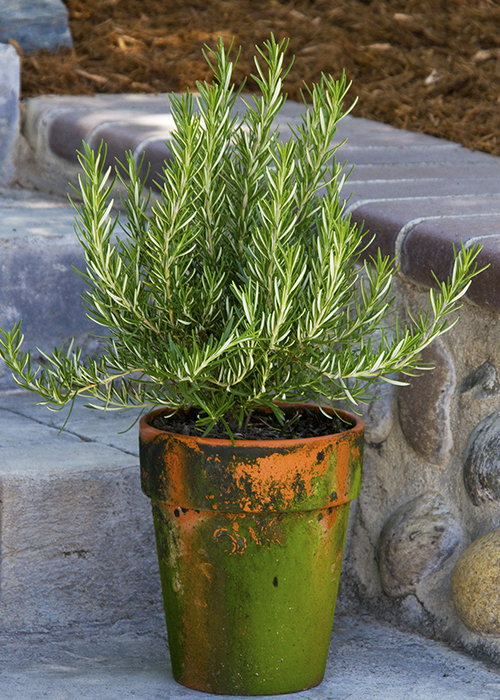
(367, 661)
(38, 249)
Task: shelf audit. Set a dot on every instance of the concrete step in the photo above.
(38, 249)
(368, 660)
(76, 534)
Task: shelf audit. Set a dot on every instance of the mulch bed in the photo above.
(424, 65)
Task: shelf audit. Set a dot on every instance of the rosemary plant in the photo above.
(242, 284)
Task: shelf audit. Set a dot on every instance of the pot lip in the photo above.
(146, 430)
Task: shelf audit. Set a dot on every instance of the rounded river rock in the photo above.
(475, 585)
(416, 541)
(424, 407)
(482, 461)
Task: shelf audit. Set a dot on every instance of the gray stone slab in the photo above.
(389, 219)
(76, 531)
(367, 661)
(486, 167)
(365, 132)
(433, 239)
(61, 453)
(81, 114)
(117, 429)
(39, 286)
(424, 187)
(362, 132)
(31, 214)
(54, 127)
(40, 109)
(69, 129)
(35, 24)
(9, 110)
(38, 249)
(374, 155)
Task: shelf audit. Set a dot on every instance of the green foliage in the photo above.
(242, 285)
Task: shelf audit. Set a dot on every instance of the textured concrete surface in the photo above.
(76, 532)
(367, 661)
(38, 249)
(35, 24)
(10, 68)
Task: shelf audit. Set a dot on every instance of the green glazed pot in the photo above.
(250, 541)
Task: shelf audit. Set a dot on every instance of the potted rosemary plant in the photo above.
(236, 307)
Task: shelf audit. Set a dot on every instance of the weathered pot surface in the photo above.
(250, 541)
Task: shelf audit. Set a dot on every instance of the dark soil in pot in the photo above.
(263, 425)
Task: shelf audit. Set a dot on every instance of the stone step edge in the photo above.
(422, 230)
(76, 532)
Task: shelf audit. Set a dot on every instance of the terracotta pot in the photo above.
(250, 541)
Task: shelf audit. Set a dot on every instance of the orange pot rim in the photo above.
(149, 431)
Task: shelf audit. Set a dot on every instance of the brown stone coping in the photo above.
(418, 195)
(392, 219)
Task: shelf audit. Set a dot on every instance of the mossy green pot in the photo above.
(250, 541)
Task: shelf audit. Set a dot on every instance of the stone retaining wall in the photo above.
(431, 488)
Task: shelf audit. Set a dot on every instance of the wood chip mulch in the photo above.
(425, 65)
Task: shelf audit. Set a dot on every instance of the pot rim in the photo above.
(146, 429)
